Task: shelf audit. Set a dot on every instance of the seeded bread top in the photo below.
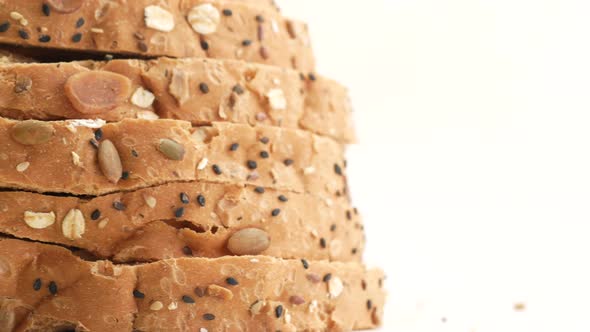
(47, 288)
(177, 28)
(189, 219)
(195, 90)
(80, 158)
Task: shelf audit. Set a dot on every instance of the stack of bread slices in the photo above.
(174, 165)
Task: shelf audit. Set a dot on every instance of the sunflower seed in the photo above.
(109, 161)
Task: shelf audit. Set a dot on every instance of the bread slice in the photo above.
(46, 288)
(143, 28)
(196, 90)
(62, 157)
(189, 219)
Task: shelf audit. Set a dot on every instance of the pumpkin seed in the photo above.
(32, 132)
(171, 149)
(110, 161)
(248, 241)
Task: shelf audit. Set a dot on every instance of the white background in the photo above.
(473, 169)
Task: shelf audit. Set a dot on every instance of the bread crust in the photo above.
(253, 32)
(224, 294)
(148, 229)
(236, 92)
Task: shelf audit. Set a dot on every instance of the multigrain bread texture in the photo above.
(91, 158)
(44, 287)
(189, 219)
(247, 31)
(197, 90)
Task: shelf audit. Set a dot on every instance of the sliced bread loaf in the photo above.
(189, 219)
(78, 157)
(196, 90)
(46, 288)
(145, 28)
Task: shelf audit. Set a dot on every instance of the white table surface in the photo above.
(473, 171)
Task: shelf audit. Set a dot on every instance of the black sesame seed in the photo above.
(187, 251)
(119, 206)
(305, 264)
(327, 277)
(178, 213)
(259, 190)
(259, 19)
(184, 198)
(283, 198)
(323, 243)
(337, 169)
(246, 42)
(354, 251)
(4, 26)
(264, 140)
(46, 9)
(23, 34)
(208, 316)
(252, 164)
(276, 212)
(95, 215)
(204, 88)
(94, 143)
(231, 281)
(288, 162)
(312, 77)
(369, 304)
(348, 215)
(125, 175)
(137, 294)
(204, 45)
(279, 311)
(201, 200)
(80, 22)
(134, 153)
(234, 147)
(187, 299)
(76, 38)
(238, 89)
(227, 12)
(52, 288)
(44, 39)
(264, 154)
(98, 134)
(217, 170)
(333, 227)
(37, 284)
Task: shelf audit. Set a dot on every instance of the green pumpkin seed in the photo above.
(32, 132)
(171, 149)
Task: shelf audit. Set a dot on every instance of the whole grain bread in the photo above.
(46, 288)
(246, 30)
(189, 219)
(76, 157)
(196, 90)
